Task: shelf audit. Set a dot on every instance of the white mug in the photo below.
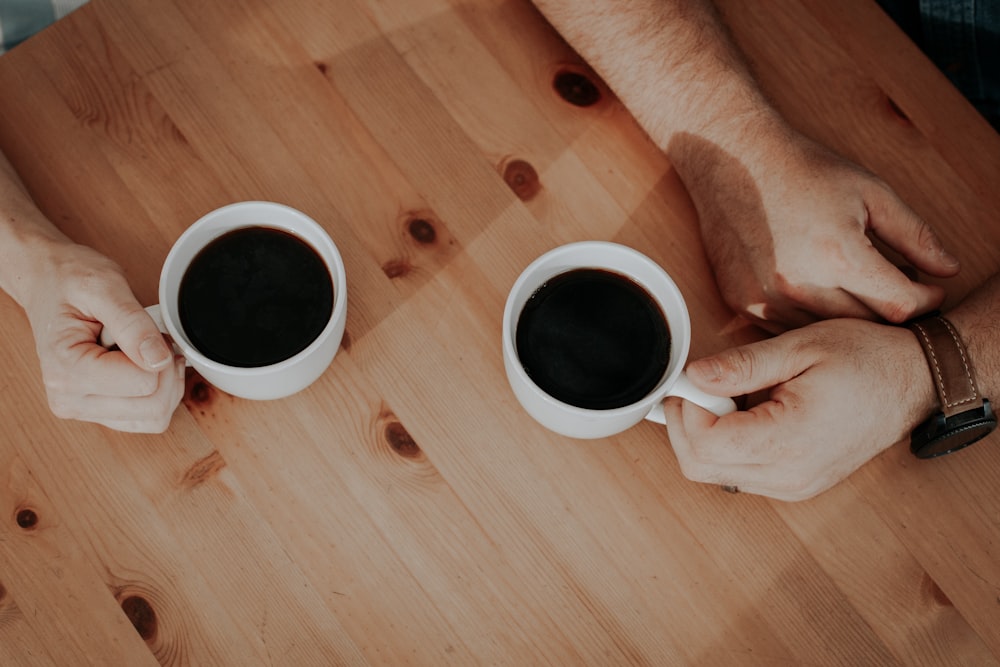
(578, 422)
(276, 380)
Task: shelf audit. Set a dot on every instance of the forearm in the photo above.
(977, 319)
(672, 63)
(25, 235)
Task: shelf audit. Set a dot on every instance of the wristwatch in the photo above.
(966, 416)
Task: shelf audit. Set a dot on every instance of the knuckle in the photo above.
(739, 364)
(793, 486)
(160, 426)
(783, 284)
(151, 424)
(147, 384)
(95, 278)
(56, 384)
(876, 197)
(62, 407)
(696, 458)
(151, 427)
(926, 237)
(158, 413)
(128, 426)
(901, 308)
(693, 471)
(790, 290)
(834, 255)
(797, 487)
(132, 319)
(741, 297)
(158, 423)
(810, 491)
(794, 495)
(60, 384)
(802, 348)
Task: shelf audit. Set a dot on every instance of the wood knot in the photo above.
(140, 613)
(897, 112)
(27, 518)
(199, 391)
(178, 135)
(522, 178)
(422, 231)
(199, 394)
(396, 268)
(401, 441)
(934, 592)
(576, 88)
(321, 66)
(203, 469)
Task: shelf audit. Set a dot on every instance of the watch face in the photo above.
(946, 442)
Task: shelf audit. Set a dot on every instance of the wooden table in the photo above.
(404, 509)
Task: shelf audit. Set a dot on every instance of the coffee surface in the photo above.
(594, 339)
(255, 296)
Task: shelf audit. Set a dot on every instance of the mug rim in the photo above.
(510, 320)
(338, 275)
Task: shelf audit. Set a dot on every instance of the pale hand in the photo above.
(839, 392)
(75, 294)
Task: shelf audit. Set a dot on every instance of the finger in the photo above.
(102, 372)
(825, 304)
(153, 426)
(735, 451)
(770, 482)
(749, 368)
(737, 439)
(132, 329)
(679, 441)
(147, 414)
(684, 430)
(887, 291)
(902, 229)
(777, 318)
(143, 415)
(809, 305)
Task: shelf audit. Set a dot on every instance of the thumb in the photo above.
(134, 331)
(750, 368)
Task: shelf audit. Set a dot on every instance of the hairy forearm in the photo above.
(25, 235)
(977, 319)
(671, 62)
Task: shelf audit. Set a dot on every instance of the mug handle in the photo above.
(718, 405)
(107, 340)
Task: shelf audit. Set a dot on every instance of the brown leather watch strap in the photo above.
(950, 365)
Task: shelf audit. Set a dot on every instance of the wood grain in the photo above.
(404, 509)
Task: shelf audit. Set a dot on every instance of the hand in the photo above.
(839, 392)
(786, 229)
(76, 293)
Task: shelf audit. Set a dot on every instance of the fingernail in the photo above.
(948, 259)
(154, 352)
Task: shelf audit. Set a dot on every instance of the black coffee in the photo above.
(593, 339)
(255, 296)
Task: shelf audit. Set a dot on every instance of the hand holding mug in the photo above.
(135, 388)
(254, 296)
(828, 385)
